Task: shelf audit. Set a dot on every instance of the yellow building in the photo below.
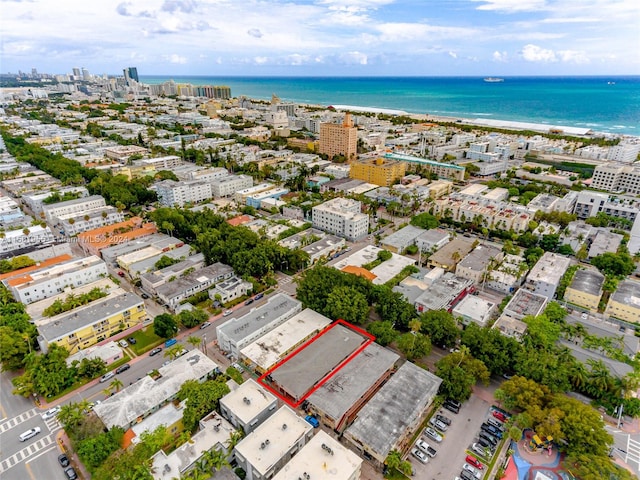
(585, 289)
(378, 171)
(339, 139)
(624, 304)
(136, 171)
(85, 326)
(440, 188)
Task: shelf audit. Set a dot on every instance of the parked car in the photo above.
(144, 295)
(258, 296)
(471, 460)
(480, 450)
(426, 448)
(155, 351)
(63, 460)
(123, 343)
(432, 434)
(485, 444)
(93, 404)
(249, 302)
(434, 422)
(420, 455)
(121, 274)
(496, 423)
(132, 340)
(313, 421)
(205, 325)
(123, 368)
(227, 313)
(71, 473)
(465, 475)
(491, 430)
(452, 407)
(472, 470)
(238, 367)
(107, 376)
(29, 434)
(443, 419)
(499, 415)
(489, 438)
(52, 412)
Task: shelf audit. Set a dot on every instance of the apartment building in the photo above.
(209, 174)
(70, 207)
(444, 170)
(152, 280)
(248, 406)
(228, 186)
(168, 162)
(94, 241)
(40, 284)
(236, 333)
(589, 204)
(341, 217)
(617, 177)
(36, 201)
(76, 223)
(230, 289)
(624, 152)
(478, 262)
(14, 242)
(339, 139)
(545, 276)
(322, 454)
(624, 303)
(378, 171)
(496, 216)
(172, 293)
(177, 194)
(263, 452)
(85, 326)
(585, 289)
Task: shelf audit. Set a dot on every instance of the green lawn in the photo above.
(145, 340)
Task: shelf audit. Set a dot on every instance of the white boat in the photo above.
(493, 80)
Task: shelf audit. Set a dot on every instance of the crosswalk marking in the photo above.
(13, 422)
(27, 452)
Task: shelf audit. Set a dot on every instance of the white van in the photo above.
(107, 376)
(29, 434)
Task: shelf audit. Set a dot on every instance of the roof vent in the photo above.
(246, 400)
(284, 426)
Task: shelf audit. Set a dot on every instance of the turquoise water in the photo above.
(604, 104)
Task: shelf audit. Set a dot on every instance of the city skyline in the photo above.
(324, 37)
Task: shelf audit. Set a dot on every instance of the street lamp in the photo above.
(204, 343)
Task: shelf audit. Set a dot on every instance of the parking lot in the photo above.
(459, 437)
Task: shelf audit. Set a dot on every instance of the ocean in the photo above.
(603, 104)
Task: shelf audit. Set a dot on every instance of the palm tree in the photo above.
(174, 351)
(70, 415)
(215, 459)
(234, 439)
(194, 340)
(116, 384)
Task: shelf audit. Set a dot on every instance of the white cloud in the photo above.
(533, 53)
(511, 6)
(572, 56)
(353, 58)
(260, 60)
(500, 56)
(255, 32)
(453, 54)
(175, 58)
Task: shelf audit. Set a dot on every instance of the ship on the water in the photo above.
(493, 80)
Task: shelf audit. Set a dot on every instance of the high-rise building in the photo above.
(86, 76)
(221, 92)
(339, 139)
(76, 73)
(131, 73)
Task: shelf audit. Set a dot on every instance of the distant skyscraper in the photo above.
(131, 73)
(86, 76)
(77, 73)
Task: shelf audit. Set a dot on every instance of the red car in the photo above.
(471, 460)
(500, 416)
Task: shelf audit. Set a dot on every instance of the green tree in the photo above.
(202, 398)
(165, 261)
(234, 375)
(383, 331)
(192, 318)
(555, 312)
(441, 327)
(95, 450)
(414, 345)
(348, 304)
(13, 349)
(520, 393)
(194, 340)
(614, 264)
(70, 415)
(393, 307)
(425, 220)
(460, 372)
(165, 326)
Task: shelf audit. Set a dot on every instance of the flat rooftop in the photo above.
(204, 275)
(270, 442)
(271, 347)
(301, 372)
(549, 268)
(346, 388)
(588, 281)
(65, 323)
(525, 303)
(322, 458)
(627, 293)
(139, 399)
(248, 400)
(398, 405)
(239, 328)
(478, 259)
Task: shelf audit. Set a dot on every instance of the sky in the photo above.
(323, 37)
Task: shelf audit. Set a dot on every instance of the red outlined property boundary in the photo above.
(369, 339)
